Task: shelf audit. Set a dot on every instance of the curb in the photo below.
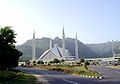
(100, 77)
(87, 76)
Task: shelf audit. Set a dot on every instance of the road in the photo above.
(53, 77)
(109, 73)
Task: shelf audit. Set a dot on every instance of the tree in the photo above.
(87, 63)
(51, 62)
(40, 62)
(56, 61)
(9, 55)
(82, 60)
(62, 60)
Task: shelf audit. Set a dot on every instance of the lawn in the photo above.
(78, 70)
(16, 77)
(117, 67)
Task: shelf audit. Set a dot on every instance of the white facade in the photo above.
(58, 52)
(55, 52)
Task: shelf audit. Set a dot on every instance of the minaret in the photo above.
(76, 47)
(33, 48)
(113, 53)
(63, 42)
(50, 43)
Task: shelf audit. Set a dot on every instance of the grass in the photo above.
(16, 77)
(118, 67)
(23, 79)
(78, 70)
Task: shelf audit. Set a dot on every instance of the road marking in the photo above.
(70, 81)
(118, 71)
(45, 73)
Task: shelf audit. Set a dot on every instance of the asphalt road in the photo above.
(53, 77)
(109, 73)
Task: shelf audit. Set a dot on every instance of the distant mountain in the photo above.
(43, 44)
(84, 51)
(105, 49)
(27, 52)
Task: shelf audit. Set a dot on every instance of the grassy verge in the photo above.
(117, 67)
(78, 70)
(16, 77)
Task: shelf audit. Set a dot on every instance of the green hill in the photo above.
(105, 49)
(43, 44)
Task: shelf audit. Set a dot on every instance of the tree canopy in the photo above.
(9, 55)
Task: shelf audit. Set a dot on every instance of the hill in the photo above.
(105, 49)
(43, 44)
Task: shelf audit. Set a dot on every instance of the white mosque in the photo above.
(56, 51)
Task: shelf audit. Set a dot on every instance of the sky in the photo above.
(95, 21)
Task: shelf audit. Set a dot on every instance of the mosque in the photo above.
(56, 51)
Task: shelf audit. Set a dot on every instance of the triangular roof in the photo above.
(56, 51)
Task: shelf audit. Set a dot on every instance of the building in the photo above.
(33, 48)
(55, 52)
(58, 52)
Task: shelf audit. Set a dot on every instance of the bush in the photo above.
(8, 75)
(87, 63)
(57, 69)
(69, 71)
(78, 63)
(56, 61)
(62, 60)
(81, 72)
(40, 62)
(85, 66)
(82, 60)
(51, 62)
(48, 64)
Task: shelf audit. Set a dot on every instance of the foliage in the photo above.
(87, 63)
(34, 62)
(8, 75)
(82, 60)
(57, 69)
(85, 66)
(51, 62)
(24, 79)
(118, 60)
(9, 55)
(56, 61)
(16, 77)
(7, 35)
(78, 63)
(62, 60)
(79, 70)
(40, 62)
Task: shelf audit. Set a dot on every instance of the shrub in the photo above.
(56, 61)
(85, 66)
(48, 64)
(57, 69)
(82, 60)
(69, 71)
(51, 62)
(40, 62)
(62, 60)
(78, 63)
(87, 63)
(81, 72)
